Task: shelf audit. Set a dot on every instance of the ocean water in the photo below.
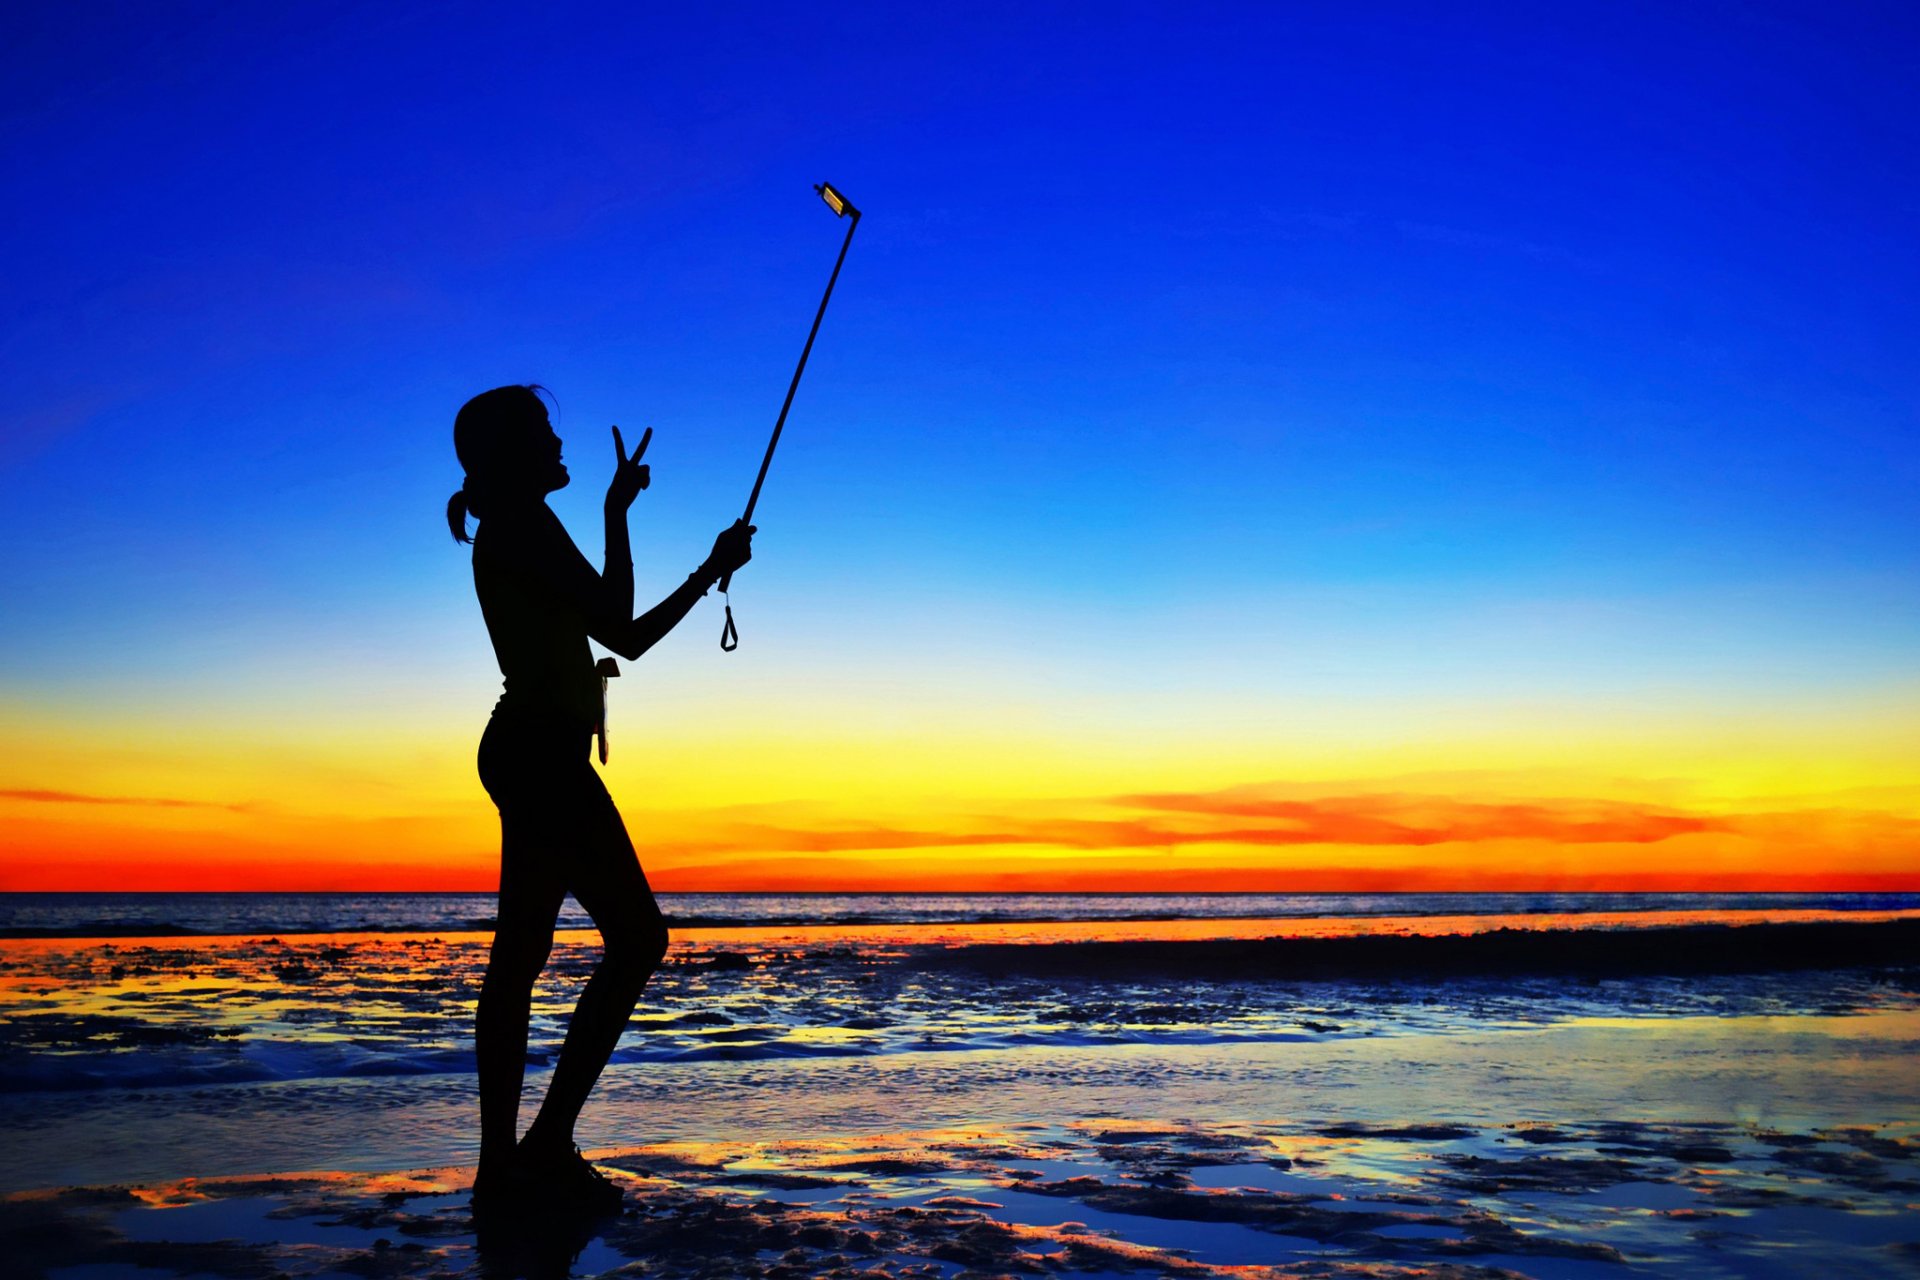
(159, 914)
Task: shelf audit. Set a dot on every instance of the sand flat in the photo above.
(1096, 1197)
(805, 1102)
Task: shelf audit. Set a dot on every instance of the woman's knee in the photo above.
(636, 950)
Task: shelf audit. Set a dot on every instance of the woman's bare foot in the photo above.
(567, 1177)
(544, 1179)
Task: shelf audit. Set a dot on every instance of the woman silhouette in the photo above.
(559, 830)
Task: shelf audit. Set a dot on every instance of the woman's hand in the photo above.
(630, 475)
(733, 548)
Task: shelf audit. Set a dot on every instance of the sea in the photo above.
(147, 1036)
(107, 915)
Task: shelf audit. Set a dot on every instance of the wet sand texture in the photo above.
(1095, 1198)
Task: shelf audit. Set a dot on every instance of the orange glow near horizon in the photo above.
(1816, 803)
(1217, 842)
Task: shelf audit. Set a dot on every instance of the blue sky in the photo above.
(1356, 323)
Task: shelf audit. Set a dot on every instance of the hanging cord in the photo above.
(729, 634)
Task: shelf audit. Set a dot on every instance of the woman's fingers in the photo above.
(620, 457)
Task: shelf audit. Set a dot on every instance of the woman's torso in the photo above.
(539, 636)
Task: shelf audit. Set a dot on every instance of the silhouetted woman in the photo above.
(559, 830)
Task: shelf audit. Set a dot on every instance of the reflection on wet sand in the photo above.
(1095, 1197)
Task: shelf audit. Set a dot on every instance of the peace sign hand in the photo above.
(630, 475)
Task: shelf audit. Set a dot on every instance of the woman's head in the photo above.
(508, 448)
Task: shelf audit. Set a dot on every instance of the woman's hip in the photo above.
(527, 762)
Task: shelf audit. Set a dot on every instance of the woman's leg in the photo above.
(606, 880)
(531, 891)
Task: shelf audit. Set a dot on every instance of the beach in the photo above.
(1697, 1088)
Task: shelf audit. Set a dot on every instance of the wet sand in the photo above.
(1092, 1198)
(937, 1101)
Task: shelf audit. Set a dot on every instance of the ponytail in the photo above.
(491, 434)
(457, 514)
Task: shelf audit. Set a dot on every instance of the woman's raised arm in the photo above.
(732, 549)
(630, 476)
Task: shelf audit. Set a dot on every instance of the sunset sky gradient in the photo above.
(1267, 447)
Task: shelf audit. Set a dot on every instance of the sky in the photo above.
(1280, 447)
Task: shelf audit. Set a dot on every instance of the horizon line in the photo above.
(1735, 884)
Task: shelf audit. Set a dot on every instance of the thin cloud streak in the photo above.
(1376, 820)
(40, 796)
(1403, 818)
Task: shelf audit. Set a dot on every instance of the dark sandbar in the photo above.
(1668, 950)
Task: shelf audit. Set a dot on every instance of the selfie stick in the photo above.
(729, 634)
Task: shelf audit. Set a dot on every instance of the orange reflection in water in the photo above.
(1037, 932)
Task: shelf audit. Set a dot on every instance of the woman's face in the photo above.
(558, 476)
(543, 458)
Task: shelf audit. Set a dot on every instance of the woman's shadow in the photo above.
(535, 1246)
